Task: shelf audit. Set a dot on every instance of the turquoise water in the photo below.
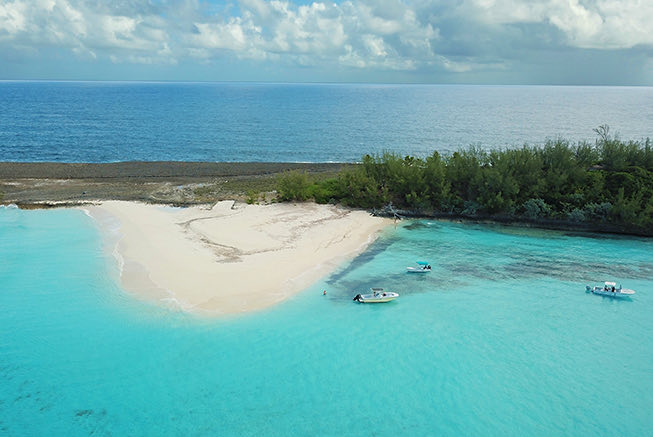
(500, 339)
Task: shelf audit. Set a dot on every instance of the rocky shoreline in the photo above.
(48, 184)
(551, 224)
(51, 185)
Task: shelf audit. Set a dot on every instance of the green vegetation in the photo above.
(253, 197)
(254, 188)
(293, 185)
(607, 183)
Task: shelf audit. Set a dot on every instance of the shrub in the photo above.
(536, 208)
(328, 191)
(470, 208)
(576, 215)
(252, 197)
(597, 212)
(293, 185)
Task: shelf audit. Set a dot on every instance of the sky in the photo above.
(550, 42)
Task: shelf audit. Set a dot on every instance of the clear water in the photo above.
(118, 121)
(499, 339)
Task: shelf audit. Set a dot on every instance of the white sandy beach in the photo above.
(231, 258)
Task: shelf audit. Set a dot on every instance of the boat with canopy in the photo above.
(610, 289)
(422, 267)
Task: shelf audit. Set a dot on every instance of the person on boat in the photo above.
(324, 293)
(613, 288)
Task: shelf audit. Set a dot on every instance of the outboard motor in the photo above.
(357, 298)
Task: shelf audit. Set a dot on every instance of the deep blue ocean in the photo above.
(500, 339)
(123, 121)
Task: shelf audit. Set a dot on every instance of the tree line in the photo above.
(608, 182)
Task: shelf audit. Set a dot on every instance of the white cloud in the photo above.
(623, 24)
(315, 34)
(598, 24)
(375, 46)
(86, 29)
(351, 34)
(359, 34)
(13, 19)
(229, 36)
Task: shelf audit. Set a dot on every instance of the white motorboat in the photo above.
(610, 289)
(377, 295)
(422, 267)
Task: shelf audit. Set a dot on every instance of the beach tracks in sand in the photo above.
(235, 257)
(274, 228)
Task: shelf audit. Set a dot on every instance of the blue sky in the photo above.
(579, 42)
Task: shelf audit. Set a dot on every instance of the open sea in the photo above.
(500, 339)
(241, 122)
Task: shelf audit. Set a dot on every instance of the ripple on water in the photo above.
(500, 338)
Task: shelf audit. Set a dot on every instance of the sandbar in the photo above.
(230, 257)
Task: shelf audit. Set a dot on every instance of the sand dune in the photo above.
(231, 258)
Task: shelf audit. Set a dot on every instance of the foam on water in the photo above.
(499, 339)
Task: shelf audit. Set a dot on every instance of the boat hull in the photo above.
(378, 297)
(377, 300)
(618, 293)
(416, 270)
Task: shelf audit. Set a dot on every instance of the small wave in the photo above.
(173, 302)
(119, 259)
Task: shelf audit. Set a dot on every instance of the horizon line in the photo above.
(171, 81)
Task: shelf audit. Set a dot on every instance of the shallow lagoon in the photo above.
(499, 339)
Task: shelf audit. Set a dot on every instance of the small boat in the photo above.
(377, 295)
(422, 267)
(610, 289)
